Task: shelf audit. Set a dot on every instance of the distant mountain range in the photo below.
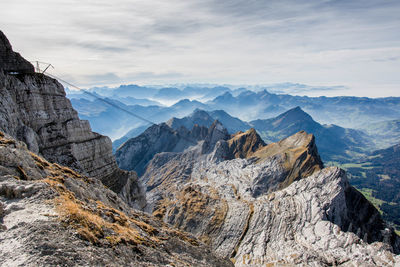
(350, 112)
(334, 142)
(154, 104)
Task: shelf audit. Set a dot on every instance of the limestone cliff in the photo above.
(51, 215)
(34, 109)
(278, 205)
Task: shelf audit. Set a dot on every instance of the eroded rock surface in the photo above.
(34, 109)
(277, 206)
(52, 216)
(135, 153)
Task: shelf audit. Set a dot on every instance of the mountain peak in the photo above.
(244, 144)
(301, 156)
(291, 116)
(11, 61)
(200, 114)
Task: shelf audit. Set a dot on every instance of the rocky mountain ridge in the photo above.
(34, 109)
(51, 215)
(276, 206)
(335, 143)
(137, 152)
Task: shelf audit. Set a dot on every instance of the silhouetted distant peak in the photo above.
(199, 113)
(295, 114)
(226, 95)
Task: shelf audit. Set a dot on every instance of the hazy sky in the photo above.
(352, 44)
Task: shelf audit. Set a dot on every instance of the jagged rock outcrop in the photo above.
(34, 109)
(135, 153)
(243, 145)
(52, 216)
(277, 206)
(11, 61)
(199, 117)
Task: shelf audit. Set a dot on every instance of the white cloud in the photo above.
(353, 43)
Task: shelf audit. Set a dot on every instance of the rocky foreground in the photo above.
(52, 216)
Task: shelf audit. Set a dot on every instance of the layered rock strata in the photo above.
(34, 109)
(51, 215)
(276, 206)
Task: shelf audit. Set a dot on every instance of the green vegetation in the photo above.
(375, 201)
(364, 165)
(378, 178)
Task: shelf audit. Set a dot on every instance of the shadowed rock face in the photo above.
(11, 61)
(34, 109)
(137, 152)
(277, 205)
(51, 215)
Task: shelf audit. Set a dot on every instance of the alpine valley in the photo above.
(223, 177)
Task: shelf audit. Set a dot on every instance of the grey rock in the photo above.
(45, 209)
(137, 152)
(11, 61)
(279, 206)
(34, 109)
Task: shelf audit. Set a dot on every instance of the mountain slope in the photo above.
(34, 109)
(135, 153)
(52, 216)
(378, 176)
(384, 133)
(277, 204)
(335, 143)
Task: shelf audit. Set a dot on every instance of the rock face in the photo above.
(11, 61)
(243, 145)
(137, 152)
(52, 216)
(34, 109)
(277, 205)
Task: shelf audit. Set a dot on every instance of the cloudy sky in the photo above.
(352, 45)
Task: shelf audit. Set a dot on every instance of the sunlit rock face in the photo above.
(34, 109)
(264, 204)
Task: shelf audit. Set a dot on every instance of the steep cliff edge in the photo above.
(51, 215)
(11, 61)
(278, 205)
(34, 109)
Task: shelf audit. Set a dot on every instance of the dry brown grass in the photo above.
(101, 224)
(40, 162)
(22, 173)
(92, 226)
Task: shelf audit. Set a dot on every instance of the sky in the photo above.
(352, 47)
